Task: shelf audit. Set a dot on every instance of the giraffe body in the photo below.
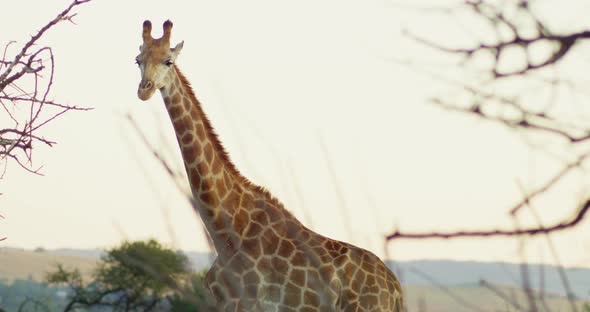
(267, 260)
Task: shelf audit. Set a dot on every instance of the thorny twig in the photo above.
(5, 79)
(25, 84)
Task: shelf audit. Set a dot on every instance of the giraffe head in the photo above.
(155, 60)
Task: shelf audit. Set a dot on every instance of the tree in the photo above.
(135, 276)
(25, 105)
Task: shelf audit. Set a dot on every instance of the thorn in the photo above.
(70, 18)
(476, 109)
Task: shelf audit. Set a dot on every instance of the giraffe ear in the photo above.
(176, 50)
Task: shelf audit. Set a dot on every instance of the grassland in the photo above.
(20, 264)
(476, 298)
(24, 264)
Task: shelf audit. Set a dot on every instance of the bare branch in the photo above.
(60, 17)
(514, 26)
(49, 103)
(547, 185)
(2, 217)
(498, 22)
(577, 218)
(25, 85)
(538, 121)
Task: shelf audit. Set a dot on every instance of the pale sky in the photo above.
(277, 78)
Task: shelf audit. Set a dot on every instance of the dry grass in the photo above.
(434, 299)
(22, 264)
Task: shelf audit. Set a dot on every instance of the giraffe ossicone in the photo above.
(266, 259)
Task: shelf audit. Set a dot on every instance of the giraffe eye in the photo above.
(168, 63)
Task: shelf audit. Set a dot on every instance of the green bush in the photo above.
(135, 276)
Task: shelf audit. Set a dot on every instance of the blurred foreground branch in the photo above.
(577, 218)
(516, 44)
(517, 58)
(515, 26)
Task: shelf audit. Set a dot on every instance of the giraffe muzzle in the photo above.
(145, 90)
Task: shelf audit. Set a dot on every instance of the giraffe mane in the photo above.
(217, 145)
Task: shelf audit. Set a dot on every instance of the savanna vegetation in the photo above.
(134, 276)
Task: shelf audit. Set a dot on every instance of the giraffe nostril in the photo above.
(146, 84)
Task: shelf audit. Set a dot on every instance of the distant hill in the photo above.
(464, 273)
(81, 253)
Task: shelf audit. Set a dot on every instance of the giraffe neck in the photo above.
(215, 182)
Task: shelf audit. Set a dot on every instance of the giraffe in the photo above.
(266, 259)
